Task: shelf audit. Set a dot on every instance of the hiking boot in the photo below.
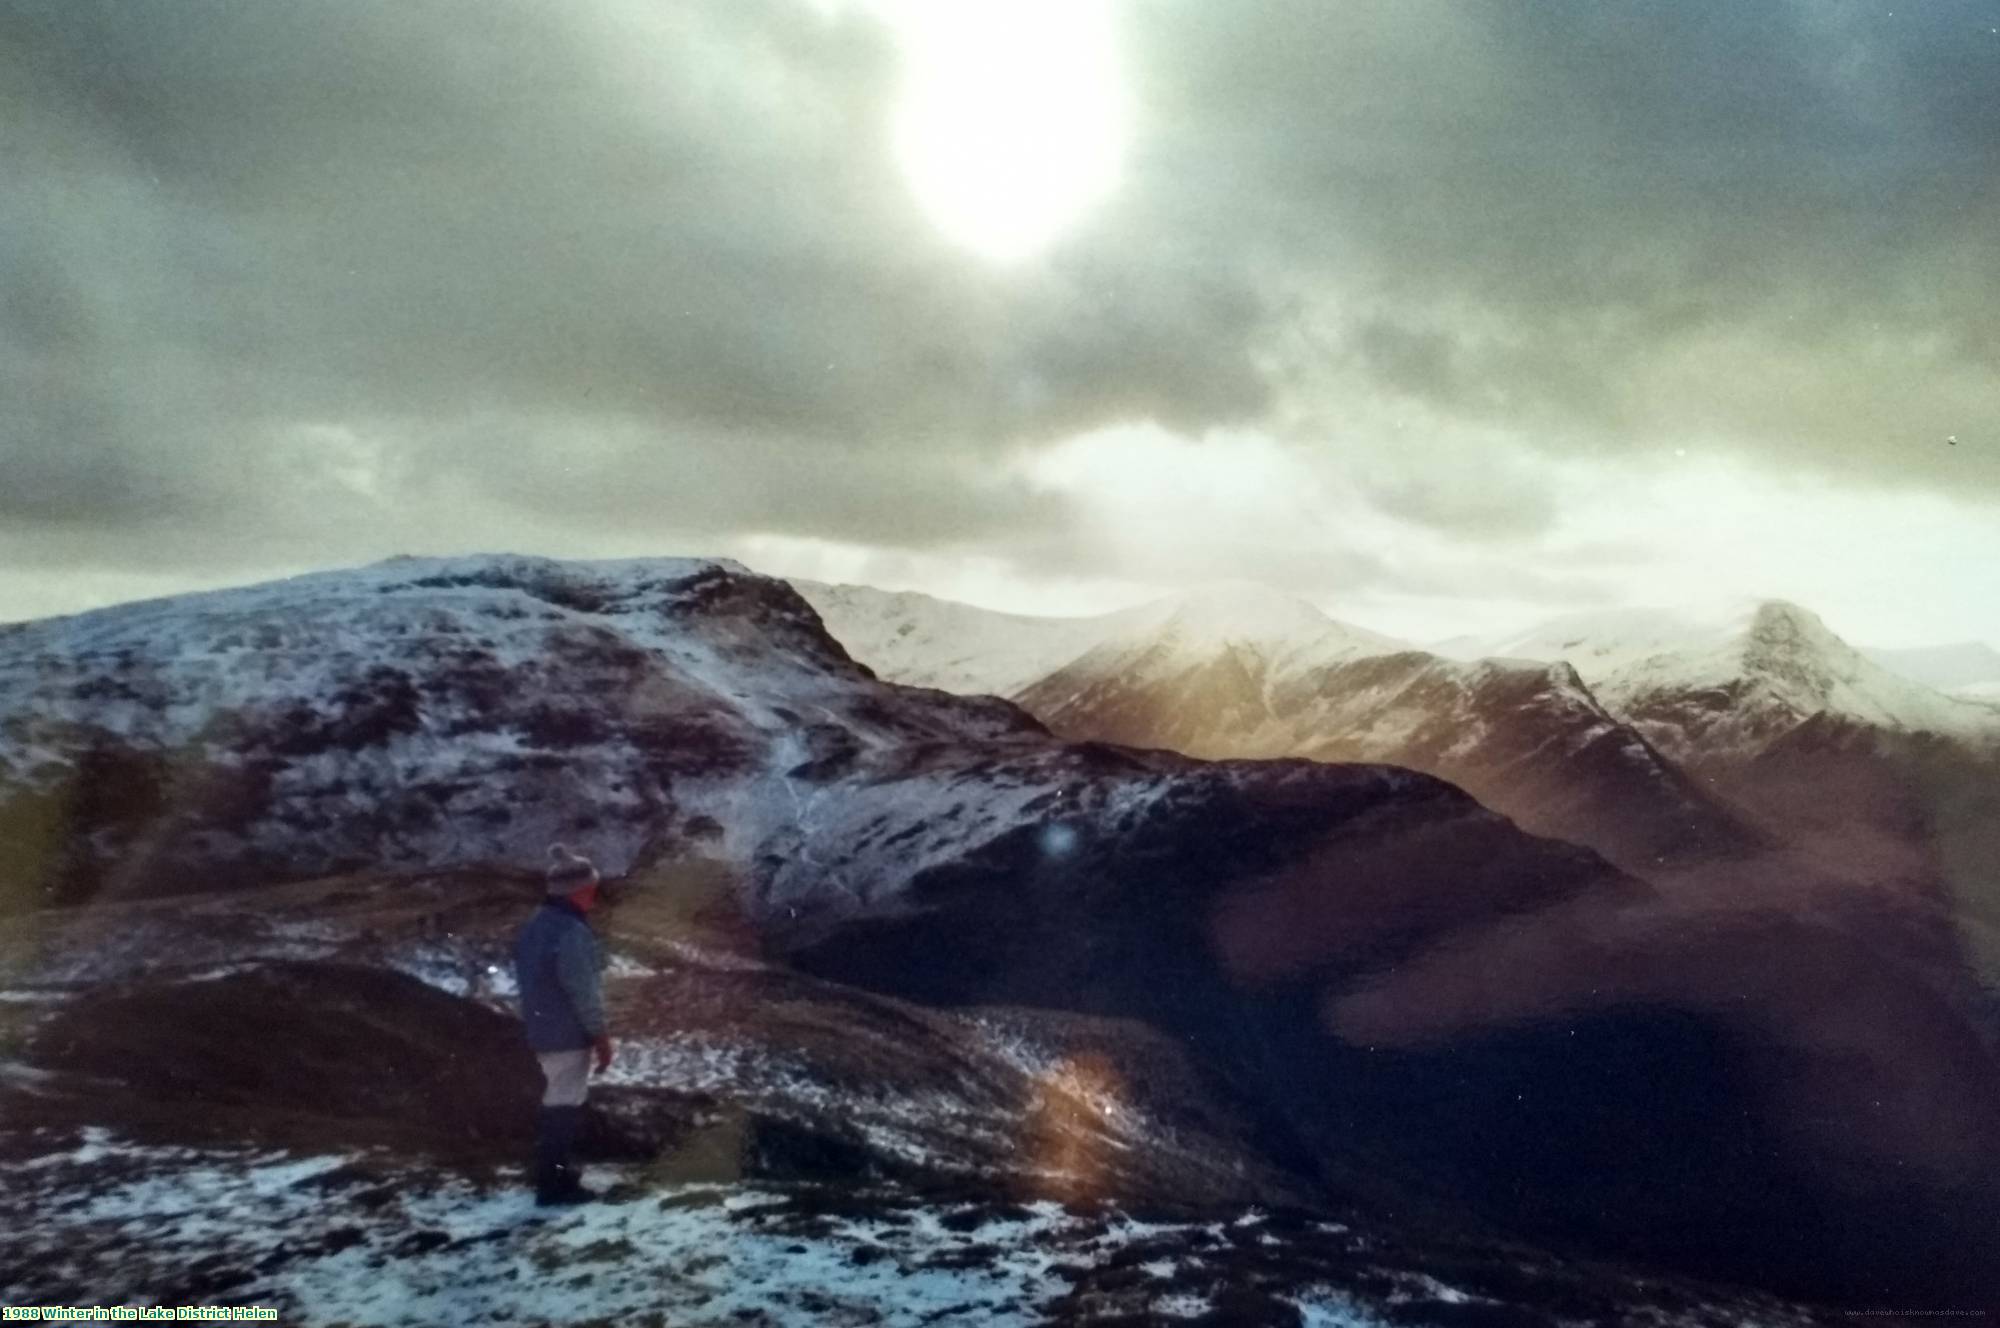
(564, 1188)
(557, 1181)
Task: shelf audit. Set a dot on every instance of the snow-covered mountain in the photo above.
(923, 641)
(1870, 780)
(1283, 634)
(429, 712)
(1243, 671)
(1526, 739)
(1876, 783)
(1705, 686)
(1659, 740)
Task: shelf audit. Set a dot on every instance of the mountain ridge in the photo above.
(1661, 741)
(1780, 661)
(1199, 678)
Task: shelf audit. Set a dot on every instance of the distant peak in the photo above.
(1778, 622)
(1782, 612)
(1231, 610)
(1725, 635)
(1243, 613)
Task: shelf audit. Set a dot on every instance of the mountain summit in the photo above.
(1246, 613)
(1737, 679)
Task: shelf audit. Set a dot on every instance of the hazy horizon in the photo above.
(1712, 612)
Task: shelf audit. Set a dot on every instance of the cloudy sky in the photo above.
(1449, 316)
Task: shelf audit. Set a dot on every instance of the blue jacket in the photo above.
(557, 966)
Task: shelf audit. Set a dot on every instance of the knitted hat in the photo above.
(567, 871)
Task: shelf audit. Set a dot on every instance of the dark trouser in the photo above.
(555, 1140)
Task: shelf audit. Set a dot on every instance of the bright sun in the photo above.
(1013, 118)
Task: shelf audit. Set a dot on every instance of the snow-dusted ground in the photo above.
(329, 1240)
(333, 1240)
(365, 1240)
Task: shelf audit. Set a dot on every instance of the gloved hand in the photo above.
(602, 1046)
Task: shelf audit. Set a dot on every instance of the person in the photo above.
(558, 968)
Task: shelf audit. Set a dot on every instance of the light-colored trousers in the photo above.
(566, 1075)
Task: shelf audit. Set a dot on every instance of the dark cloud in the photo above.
(673, 223)
(677, 220)
(1469, 500)
(1611, 224)
(632, 476)
(295, 276)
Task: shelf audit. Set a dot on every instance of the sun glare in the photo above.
(1012, 120)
